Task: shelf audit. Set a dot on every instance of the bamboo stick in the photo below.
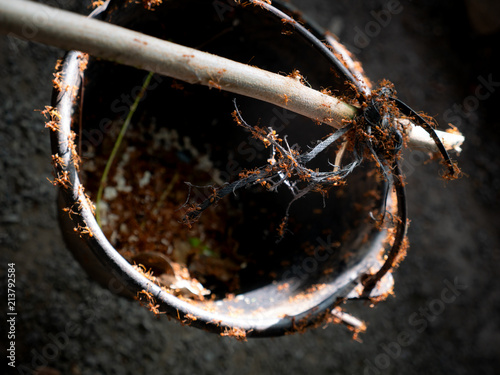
(69, 31)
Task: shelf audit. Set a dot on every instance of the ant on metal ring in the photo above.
(379, 110)
(377, 136)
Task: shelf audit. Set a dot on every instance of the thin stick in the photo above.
(118, 142)
(40, 23)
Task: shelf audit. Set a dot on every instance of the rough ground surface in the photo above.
(435, 57)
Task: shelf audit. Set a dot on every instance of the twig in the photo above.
(123, 130)
(59, 28)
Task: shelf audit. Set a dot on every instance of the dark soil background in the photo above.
(439, 55)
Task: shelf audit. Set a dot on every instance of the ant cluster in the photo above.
(374, 135)
(286, 166)
(61, 174)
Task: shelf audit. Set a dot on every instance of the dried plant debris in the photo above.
(141, 212)
(147, 204)
(286, 167)
(151, 4)
(374, 135)
(156, 203)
